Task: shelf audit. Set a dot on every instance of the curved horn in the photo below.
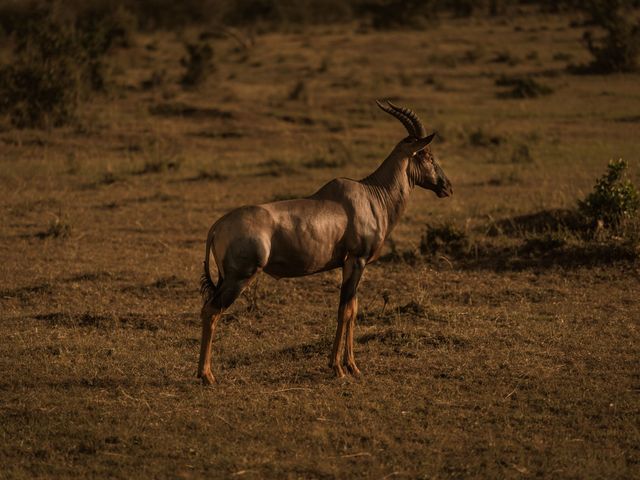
(421, 132)
(406, 121)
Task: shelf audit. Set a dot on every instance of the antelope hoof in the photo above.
(207, 379)
(338, 371)
(353, 369)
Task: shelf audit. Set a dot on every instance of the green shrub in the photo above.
(619, 49)
(198, 64)
(614, 198)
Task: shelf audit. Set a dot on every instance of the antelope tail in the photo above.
(207, 287)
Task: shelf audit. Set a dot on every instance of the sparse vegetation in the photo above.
(510, 351)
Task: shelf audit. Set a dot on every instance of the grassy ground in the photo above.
(471, 369)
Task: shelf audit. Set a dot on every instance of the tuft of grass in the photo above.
(161, 156)
(157, 79)
(521, 87)
(521, 154)
(299, 92)
(208, 176)
(506, 57)
(58, 228)
(324, 162)
(562, 57)
(277, 167)
(198, 64)
(480, 138)
(109, 178)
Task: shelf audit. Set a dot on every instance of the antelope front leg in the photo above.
(351, 274)
(349, 358)
(338, 345)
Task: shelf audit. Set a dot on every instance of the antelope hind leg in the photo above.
(229, 290)
(209, 317)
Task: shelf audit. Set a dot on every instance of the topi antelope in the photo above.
(342, 225)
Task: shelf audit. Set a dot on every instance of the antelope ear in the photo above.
(422, 143)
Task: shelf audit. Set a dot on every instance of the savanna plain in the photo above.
(507, 348)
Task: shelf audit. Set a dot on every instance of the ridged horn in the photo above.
(406, 121)
(418, 127)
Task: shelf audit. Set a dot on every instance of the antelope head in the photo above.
(423, 169)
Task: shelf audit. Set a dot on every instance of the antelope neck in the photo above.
(390, 186)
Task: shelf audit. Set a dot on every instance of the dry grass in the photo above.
(471, 369)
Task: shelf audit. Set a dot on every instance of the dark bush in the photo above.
(619, 49)
(98, 30)
(38, 95)
(388, 14)
(285, 12)
(41, 87)
(58, 58)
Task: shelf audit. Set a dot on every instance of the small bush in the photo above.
(161, 155)
(156, 79)
(614, 199)
(521, 154)
(619, 49)
(58, 228)
(299, 91)
(522, 87)
(198, 63)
